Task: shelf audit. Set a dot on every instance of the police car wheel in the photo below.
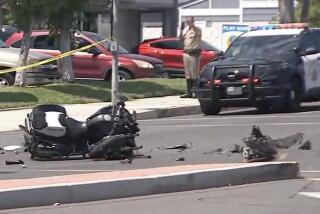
(210, 107)
(292, 100)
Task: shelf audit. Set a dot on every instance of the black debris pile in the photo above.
(260, 147)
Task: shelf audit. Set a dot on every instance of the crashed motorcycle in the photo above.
(109, 133)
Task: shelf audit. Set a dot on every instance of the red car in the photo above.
(95, 62)
(170, 51)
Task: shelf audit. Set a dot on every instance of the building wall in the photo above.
(210, 15)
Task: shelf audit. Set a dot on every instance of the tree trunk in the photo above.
(1, 14)
(20, 79)
(305, 11)
(286, 11)
(67, 69)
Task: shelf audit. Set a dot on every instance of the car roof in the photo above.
(273, 32)
(159, 39)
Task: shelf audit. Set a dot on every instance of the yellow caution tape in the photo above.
(60, 56)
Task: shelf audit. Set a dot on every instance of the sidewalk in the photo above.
(149, 108)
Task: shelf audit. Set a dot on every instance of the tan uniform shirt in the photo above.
(191, 37)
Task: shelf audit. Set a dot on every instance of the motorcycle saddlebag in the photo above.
(38, 119)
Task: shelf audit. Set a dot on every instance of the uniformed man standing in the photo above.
(191, 38)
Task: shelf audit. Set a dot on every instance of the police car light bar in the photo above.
(280, 26)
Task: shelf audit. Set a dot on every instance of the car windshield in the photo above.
(255, 46)
(106, 44)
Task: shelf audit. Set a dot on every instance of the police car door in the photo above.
(311, 59)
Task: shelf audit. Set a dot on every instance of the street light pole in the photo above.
(115, 78)
(114, 51)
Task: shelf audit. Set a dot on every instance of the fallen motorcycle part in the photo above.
(114, 148)
(181, 147)
(11, 148)
(14, 162)
(306, 146)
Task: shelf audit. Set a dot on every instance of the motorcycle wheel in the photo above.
(114, 148)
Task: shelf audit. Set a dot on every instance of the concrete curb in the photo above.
(147, 185)
(169, 112)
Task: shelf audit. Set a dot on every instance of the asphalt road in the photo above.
(284, 197)
(205, 133)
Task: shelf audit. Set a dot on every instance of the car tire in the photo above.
(165, 75)
(124, 76)
(6, 80)
(209, 107)
(294, 97)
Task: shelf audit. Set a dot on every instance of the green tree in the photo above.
(309, 11)
(24, 14)
(61, 19)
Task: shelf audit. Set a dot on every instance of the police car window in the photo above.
(257, 46)
(174, 45)
(309, 41)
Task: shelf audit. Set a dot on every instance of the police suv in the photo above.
(271, 69)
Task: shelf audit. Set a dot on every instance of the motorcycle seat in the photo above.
(75, 129)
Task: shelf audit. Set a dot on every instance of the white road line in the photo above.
(313, 179)
(310, 171)
(311, 194)
(235, 117)
(66, 170)
(231, 125)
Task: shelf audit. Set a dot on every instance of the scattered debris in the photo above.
(14, 162)
(288, 142)
(181, 147)
(181, 159)
(306, 145)
(219, 151)
(237, 149)
(19, 162)
(127, 161)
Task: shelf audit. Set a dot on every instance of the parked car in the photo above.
(274, 69)
(95, 62)
(170, 51)
(6, 31)
(9, 58)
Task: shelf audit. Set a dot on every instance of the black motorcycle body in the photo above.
(50, 133)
